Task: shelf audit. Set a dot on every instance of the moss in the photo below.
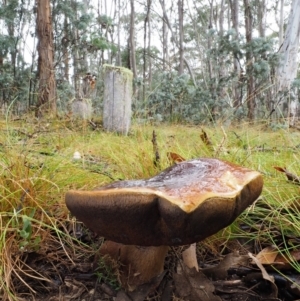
(127, 74)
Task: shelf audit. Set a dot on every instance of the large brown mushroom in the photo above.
(182, 205)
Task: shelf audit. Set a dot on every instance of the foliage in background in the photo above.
(214, 82)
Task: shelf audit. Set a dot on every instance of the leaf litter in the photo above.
(72, 276)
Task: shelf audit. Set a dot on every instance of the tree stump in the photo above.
(117, 99)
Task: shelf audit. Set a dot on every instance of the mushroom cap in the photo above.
(183, 204)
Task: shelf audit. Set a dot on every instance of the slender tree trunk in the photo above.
(281, 23)
(119, 60)
(261, 18)
(47, 85)
(145, 56)
(175, 40)
(132, 40)
(65, 42)
(164, 35)
(180, 31)
(237, 97)
(84, 66)
(209, 42)
(249, 61)
(149, 49)
(75, 53)
(222, 70)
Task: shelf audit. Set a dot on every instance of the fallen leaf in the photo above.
(267, 255)
(266, 276)
(290, 176)
(175, 158)
(295, 286)
(271, 256)
(193, 286)
(142, 291)
(285, 260)
(231, 260)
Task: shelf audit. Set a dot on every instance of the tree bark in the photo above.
(281, 23)
(146, 47)
(249, 61)
(164, 35)
(47, 84)
(180, 30)
(65, 46)
(261, 18)
(119, 59)
(132, 40)
(117, 99)
(237, 97)
(288, 66)
(149, 49)
(174, 38)
(209, 46)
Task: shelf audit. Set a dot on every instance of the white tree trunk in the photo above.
(117, 99)
(287, 69)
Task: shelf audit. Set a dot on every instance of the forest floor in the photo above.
(47, 255)
(228, 277)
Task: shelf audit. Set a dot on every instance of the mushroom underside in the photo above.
(147, 219)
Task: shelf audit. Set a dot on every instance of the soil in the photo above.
(68, 272)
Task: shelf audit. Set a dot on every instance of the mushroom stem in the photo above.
(189, 257)
(138, 265)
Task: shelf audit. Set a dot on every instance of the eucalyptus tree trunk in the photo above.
(281, 23)
(237, 95)
(180, 32)
(261, 18)
(209, 46)
(84, 66)
(164, 36)
(65, 47)
(47, 85)
(75, 52)
(175, 40)
(146, 57)
(149, 49)
(118, 5)
(221, 65)
(132, 40)
(288, 66)
(249, 61)
(264, 89)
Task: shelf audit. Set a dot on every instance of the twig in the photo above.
(222, 142)
(156, 160)
(205, 139)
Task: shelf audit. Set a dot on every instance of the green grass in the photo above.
(37, 168)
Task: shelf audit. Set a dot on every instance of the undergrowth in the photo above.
(37, 167)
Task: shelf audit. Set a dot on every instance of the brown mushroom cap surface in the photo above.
(183, 204)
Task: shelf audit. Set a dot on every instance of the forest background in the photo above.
(192, 61)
